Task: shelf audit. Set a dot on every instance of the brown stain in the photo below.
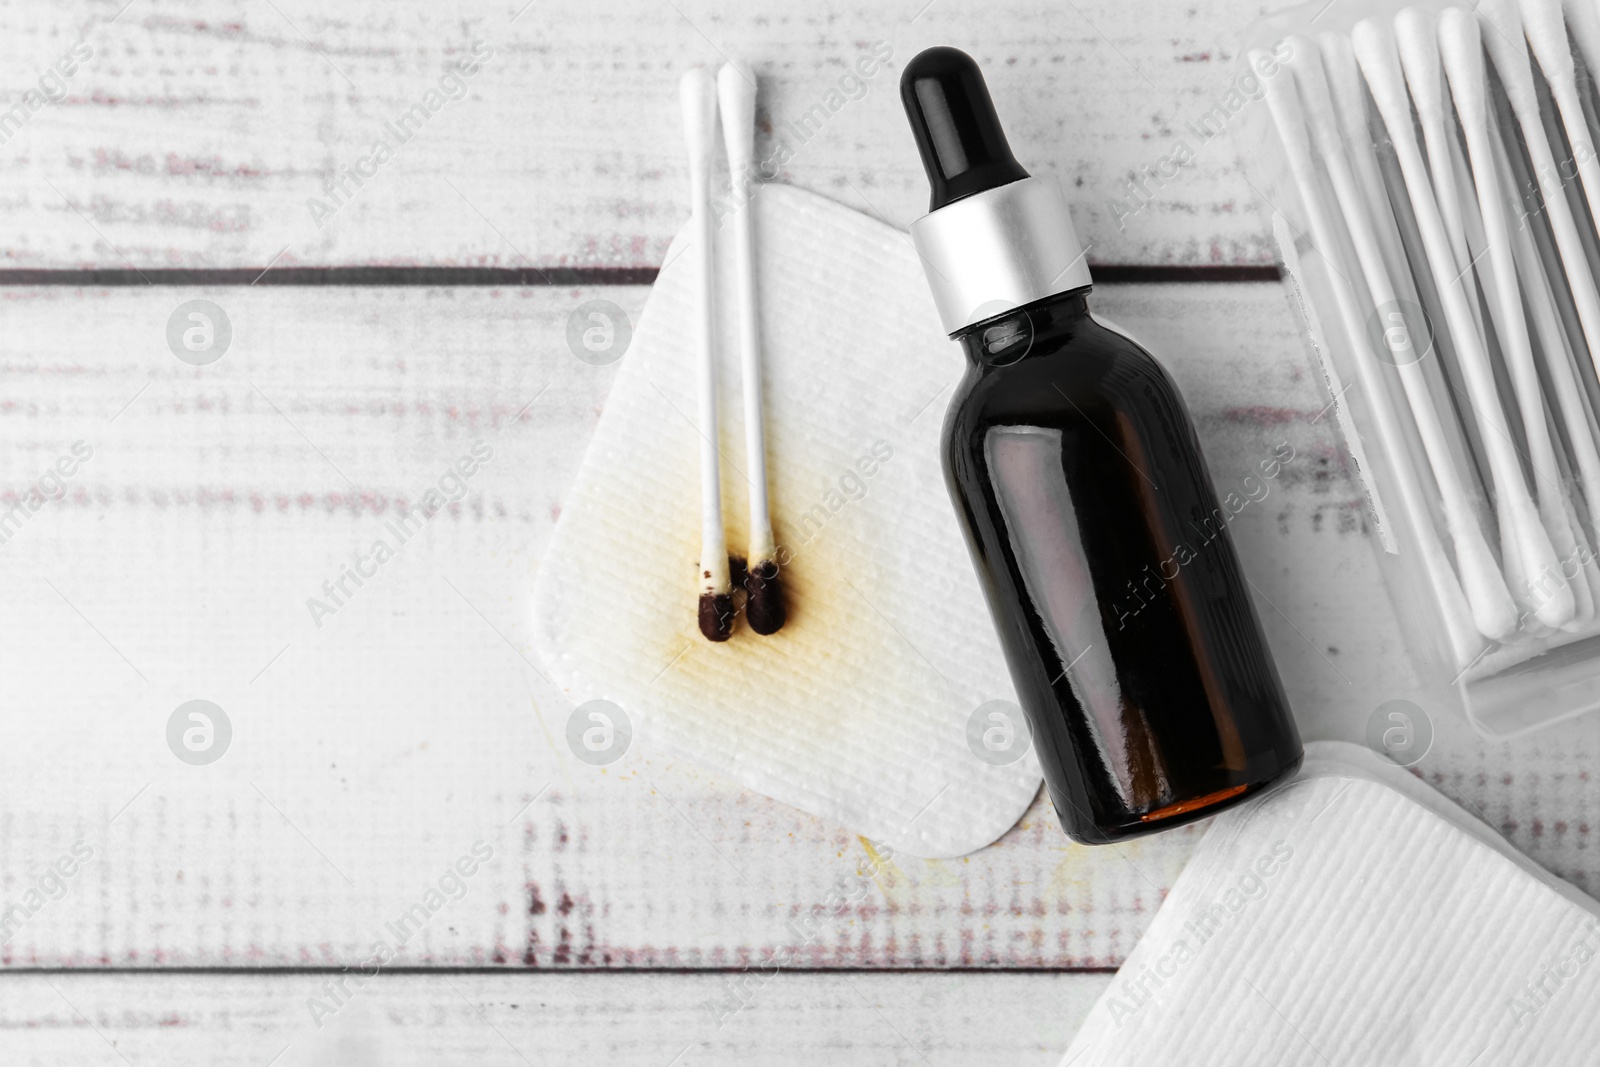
(824, 614)
(653, 639)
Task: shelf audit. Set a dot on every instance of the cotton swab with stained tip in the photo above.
(1461, 617)
(1493, 609)
(736, 90)
(1460, 46)
(1546, 31)
(1526, 552)
(1509, 52)
(698, 94)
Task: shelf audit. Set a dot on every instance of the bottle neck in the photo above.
(999, 249)
(1021, 332)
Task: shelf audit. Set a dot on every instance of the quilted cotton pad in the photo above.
(1355, 917)
(858, 710)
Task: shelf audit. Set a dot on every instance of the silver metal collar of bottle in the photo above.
(999, 249)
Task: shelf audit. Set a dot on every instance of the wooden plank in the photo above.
(62, 1020)
(370, 755)
(197, 134)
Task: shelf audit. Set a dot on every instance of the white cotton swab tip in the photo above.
(1315, 100)
(1547, 34)
(1380, 63)
(736, 92)
(1461, 46)
(1509, 49)
(698, 94)
(1419, 56)
(1583, 20)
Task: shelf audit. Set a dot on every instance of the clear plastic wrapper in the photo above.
(1433, 188)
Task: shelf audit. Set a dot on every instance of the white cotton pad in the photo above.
(1355, 916)
(858, 710)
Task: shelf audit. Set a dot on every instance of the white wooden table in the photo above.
(221, 905)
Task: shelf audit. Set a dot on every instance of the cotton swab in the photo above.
(1527, 554)
(1461, 46)
(698, 94)
(736, 90)
(1526, 551)
(1583, 20)
(1458, 612)
(1344, 83)
(1559, 370)
(1561, 535)
(1419, 59)
(1553, 341)
(1509, 51)
(1547, 34)
(1350, 100)
(1493, 610)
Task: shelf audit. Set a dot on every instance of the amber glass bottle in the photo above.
(1102, 549)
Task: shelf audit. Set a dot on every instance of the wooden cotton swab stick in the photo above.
(1526, 551)
(1493, 611)
(698, 94)
(1509, 51)
(1461, 47)
(736, 89)
(1459, 614)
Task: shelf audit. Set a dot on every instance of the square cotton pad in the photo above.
(858, 710)
(1355, 916)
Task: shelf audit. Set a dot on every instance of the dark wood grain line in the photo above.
(402, 277)
(504, 277)
(515, 968)
(1139, 273)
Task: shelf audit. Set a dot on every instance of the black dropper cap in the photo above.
(963, 148)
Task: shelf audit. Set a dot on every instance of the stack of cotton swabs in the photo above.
(1446, 179)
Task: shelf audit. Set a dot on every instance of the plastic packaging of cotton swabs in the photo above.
(1434, 190)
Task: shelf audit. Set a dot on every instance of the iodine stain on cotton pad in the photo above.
(856, 710)
(825, 614)
(836, 575)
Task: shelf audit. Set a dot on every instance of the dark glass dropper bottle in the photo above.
(1077, 477)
